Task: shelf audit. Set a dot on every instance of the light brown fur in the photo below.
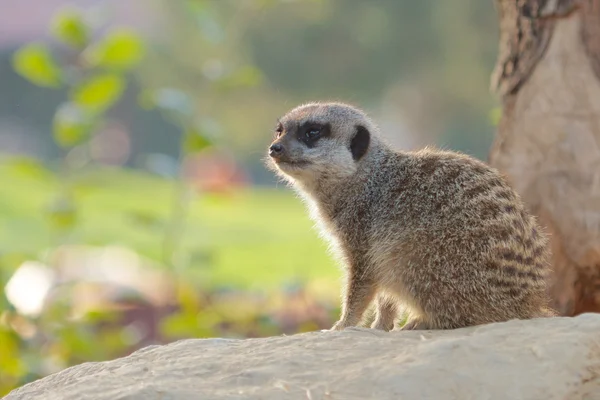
(438, 232)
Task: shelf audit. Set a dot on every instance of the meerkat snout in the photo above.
(275, 150)
(439, 232)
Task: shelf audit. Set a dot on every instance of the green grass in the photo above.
(256, 238)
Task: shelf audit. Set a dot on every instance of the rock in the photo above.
(554, 358)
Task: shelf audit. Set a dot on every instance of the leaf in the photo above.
(68, 26)
(195, 141)
(120, 49)
(199, 135)
(71, 125)
(35, 63)
(99, 92)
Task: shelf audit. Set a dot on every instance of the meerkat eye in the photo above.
(312, 133)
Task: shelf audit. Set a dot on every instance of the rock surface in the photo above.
(556, 358)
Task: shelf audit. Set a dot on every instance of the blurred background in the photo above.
(135, 207)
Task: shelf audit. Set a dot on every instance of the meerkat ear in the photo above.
(360, 142)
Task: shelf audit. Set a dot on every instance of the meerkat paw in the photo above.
(338, 326)
(341, 325)
(415, 325)
(383, 325)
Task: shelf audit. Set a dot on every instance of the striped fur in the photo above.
(437, 232)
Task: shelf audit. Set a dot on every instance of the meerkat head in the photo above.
(320, 140)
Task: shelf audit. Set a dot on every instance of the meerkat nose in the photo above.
(275, 150)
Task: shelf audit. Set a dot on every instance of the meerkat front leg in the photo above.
(387, 309)
(357, 297)
(415, 324)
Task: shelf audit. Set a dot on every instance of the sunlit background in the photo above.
(135, 207)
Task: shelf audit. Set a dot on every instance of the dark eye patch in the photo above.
(310, 132)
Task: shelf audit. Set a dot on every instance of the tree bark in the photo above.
(548, 139)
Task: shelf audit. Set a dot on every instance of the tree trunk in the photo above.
(548, 139)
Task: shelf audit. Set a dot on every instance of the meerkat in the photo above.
(437, 232)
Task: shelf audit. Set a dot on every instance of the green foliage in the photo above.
(69, 27)
(11, 364)
(99, 92)
(201, 243)
(94, 90)
(35, 63)
(121, 49)
(27, 167)
(178, 107)
(72, 124)
(195, 140)
(129, 209)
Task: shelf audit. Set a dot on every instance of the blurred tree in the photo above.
(92, 71)
(428, 60)
(94, 75)
(548, 139)
(95, 71)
